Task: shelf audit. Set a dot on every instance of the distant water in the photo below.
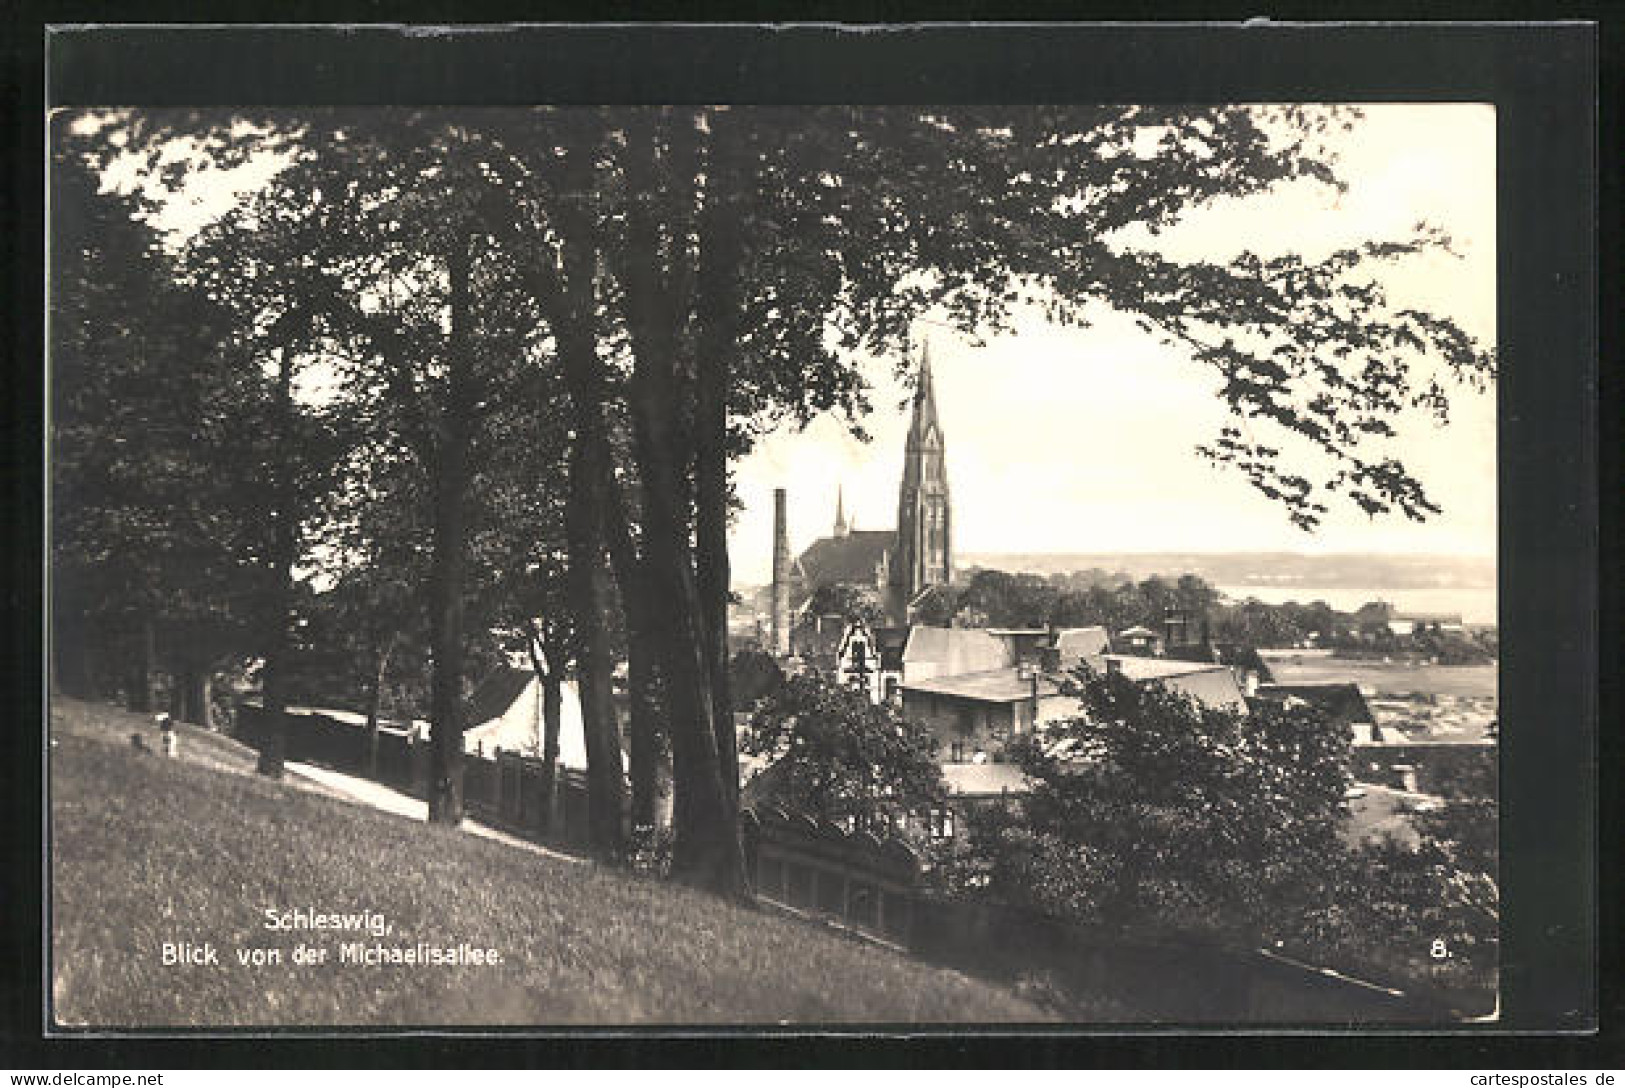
(1476, 604)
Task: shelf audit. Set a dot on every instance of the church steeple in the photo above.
(925, 403)
(924, 513)
(841, 527)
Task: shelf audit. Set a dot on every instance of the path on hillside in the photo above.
(376, 795)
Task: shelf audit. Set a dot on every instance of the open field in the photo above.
(1392, 678)
(194, 852)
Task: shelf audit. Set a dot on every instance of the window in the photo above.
(956, 752)
(942, 823)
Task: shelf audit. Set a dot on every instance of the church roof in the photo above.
(845, 559)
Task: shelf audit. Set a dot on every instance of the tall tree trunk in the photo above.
(549, 668)
(453, 476)
(645, 752)
(284, 554)
(569, 294)
(177, 695)
(552, 712)
(706, 850)
(202, 688)
(717, 290)
(143, 691)
(643, 711)
(375, 702)
(189, 697)
(589, 591)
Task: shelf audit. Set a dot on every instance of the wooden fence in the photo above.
(814, 867)
(505, 790)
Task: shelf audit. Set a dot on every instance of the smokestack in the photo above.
(781, 576)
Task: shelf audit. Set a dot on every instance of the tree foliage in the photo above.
(690, 277)
(838, 756)
(1430, 908)
(153, 525)
(1156, 813)
(995, 598)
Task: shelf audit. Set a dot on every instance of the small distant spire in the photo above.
(841, 527)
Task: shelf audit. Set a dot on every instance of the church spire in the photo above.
(841, 527)
(924, 512)
(925, 402)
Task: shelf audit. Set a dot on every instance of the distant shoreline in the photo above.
(1269, 573)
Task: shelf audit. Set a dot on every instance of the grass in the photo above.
(147, 850)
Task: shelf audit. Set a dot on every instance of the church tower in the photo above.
(924, 521)
(841, 527)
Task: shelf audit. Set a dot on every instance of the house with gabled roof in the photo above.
(505, 712)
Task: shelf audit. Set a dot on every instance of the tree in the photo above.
(521, 548)
(846, 601)
(1160, 814)
(840, 757)
(151, 501)
(425, 332)
(755, 674)
(261, 266)
(706, 272)
(940, 608)
(1009, 600)
(736, 238)
(1429, 908)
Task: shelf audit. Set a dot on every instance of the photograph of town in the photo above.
(816, 567)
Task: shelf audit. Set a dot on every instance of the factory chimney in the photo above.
(781, 577)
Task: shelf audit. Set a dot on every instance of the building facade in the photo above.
(893, 566)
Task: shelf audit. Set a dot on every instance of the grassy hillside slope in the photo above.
(148, 851)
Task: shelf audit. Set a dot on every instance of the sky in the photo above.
(1082, 440)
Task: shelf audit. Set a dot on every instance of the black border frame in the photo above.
(1543, 80)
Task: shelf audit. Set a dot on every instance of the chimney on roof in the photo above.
(781, 576)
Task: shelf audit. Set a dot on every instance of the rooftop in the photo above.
(1156, 668)
(845, 559)
(1073, 643)
(989, 686)
(955, 650)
